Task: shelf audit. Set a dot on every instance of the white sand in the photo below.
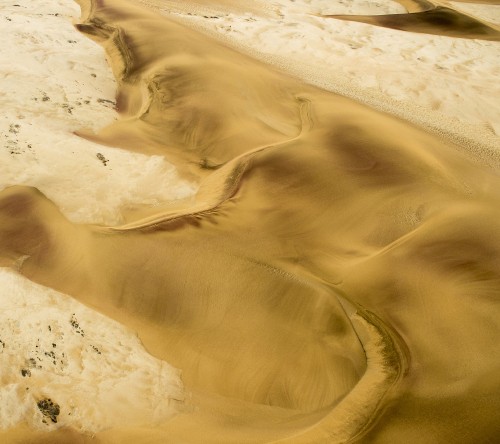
(55, 81)
(329, 7)
(95, 369)
(445, 84)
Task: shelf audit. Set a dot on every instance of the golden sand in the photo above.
(336, 279)
(433, 19)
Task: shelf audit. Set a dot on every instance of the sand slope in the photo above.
(437, 20)
(335, 279)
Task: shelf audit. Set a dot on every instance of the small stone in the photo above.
(49, 409)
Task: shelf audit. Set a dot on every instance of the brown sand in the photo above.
(437, 20)
(335, 281)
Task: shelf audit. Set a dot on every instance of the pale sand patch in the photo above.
(341, 7)
(94, 369)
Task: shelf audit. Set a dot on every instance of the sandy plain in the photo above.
(334, 277)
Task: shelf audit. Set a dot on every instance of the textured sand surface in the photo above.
(334, 279)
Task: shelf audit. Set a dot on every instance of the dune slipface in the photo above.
(435, 20)
(335, 280)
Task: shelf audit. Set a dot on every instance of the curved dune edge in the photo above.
(387, 362)
(216, 188)
(438, 20)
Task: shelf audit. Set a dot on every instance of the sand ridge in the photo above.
(435, 20)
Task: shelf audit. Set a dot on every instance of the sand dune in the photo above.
(335, 279)
(436, 20)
